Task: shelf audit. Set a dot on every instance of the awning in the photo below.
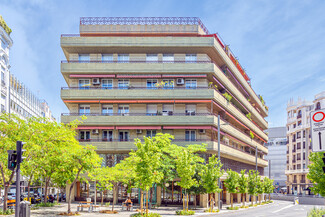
(187, 127)
(91, 76)
(138, 76)
(185, 76)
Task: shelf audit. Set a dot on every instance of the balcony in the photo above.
(298, 171)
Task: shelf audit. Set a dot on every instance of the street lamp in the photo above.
(167, 185)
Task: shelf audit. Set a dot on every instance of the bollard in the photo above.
(24, 209)
(296, 201)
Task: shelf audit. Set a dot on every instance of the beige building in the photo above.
(135, 77)
(299, 142)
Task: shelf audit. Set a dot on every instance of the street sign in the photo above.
(317, 124)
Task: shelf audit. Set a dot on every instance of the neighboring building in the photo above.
(135, 77)
(299, 142)
(16, 98)
(277, 146)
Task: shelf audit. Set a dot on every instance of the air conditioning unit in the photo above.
(95, 131)
(139, 131)
(165, 113)
(202, 131)
(180, 81)
(96, 81)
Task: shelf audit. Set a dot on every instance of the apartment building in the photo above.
(135, 77)
(299, 142)
(277, 156)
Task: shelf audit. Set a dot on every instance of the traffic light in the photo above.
(324, 163)
(20, 151)
(12, 159)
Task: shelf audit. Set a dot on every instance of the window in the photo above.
(2, 77)
(107, 135)
(168, 109)
(304, 134)
(3, 44)
(304, 156)
(190, 110)
(318, 107)
(84, 83)
(190, 58)
(151, 109)
(294, 125)
(190, 84)
(152, 84)
(123, 135)
(123, 84)
(84, 109)
(190, 135)
(107, 84)
(107, 57)
(299, 123)
(84, 135)
(152, 58)
(151, 133)
(298, 135)
(123, 110)
(3, 110)
(123, 58)
(84, 58)
(304, 144)
(168, 58)
(107, 109)
(168, 84)
(299, 114)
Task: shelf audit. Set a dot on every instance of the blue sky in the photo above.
(280, 43)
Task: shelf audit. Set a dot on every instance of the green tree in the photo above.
(259, 188)
(210, 173)
(231, 184)
(316, 174)
(268, 186)
(243, 185)
(252, 182)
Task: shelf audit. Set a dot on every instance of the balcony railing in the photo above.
(168, 113)
(133, 88)
(136, 61)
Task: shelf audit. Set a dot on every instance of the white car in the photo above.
(11, 196)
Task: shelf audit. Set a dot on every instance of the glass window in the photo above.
(123, 135)
(84, 109)
(84, 84)
(190, 84)
(151, 109)
(123, 110)
(190, 135)
(168, 84)
(151, 84)
(107, 57)
(107, 135)
(168, 58)
(84, 135)
(123, 84)
(107, 84)
(152, 58)
(151, 133)
(123, 58)
(190, 110)
(84, 58)
(190, 58)
(107, 109)
(3, 44)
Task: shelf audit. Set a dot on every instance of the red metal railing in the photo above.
(143, 21)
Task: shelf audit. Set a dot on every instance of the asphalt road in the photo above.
(278, 208)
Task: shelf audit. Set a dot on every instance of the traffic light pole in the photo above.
(18, 148)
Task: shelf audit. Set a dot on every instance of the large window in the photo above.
(84, 84)
(190, 58)
(124, 58)
(151, 83)
(107, 109)
(168, 58)
(84, 109)
(84, 135)
(190, 135)
(123, 84)
(190, 84)
(107, 84)
(152, 58)
(2, 77)
(151, 109)
(84, 58)
(123, 135)
(123, 110)
(151, 133)
(107, 135)
(107, 57)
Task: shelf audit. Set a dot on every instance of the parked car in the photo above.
(11, 195)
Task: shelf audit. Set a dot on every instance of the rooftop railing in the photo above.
(135, 61)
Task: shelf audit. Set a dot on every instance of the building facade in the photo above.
(299, 142)
(135, 77)
(277, 156)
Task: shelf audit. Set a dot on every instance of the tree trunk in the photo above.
(58, 195)
(187, 202)
(194, 201)
(45, 190)
(102, 199)
(269, 197)
(69, 201)
(183, 202)
(243, 196)
(141, 202)
(252, 199)
(231, 200)
(114, 196)
(147, 202)
(5, 198)
(28, 191)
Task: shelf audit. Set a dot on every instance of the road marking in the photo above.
(286, 207)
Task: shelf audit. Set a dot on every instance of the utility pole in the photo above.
(219, 158)
(256, 158)
(20, 151)
(269, 169)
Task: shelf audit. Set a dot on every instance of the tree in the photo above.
(259, 187)
(316, 174)
(210, 173)
(231, 184)
(252, 182)
(268, 186)
(243, 185)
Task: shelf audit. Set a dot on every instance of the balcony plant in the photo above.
(5, 26)
(251, 134)
(227, 96)
(249, 116)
